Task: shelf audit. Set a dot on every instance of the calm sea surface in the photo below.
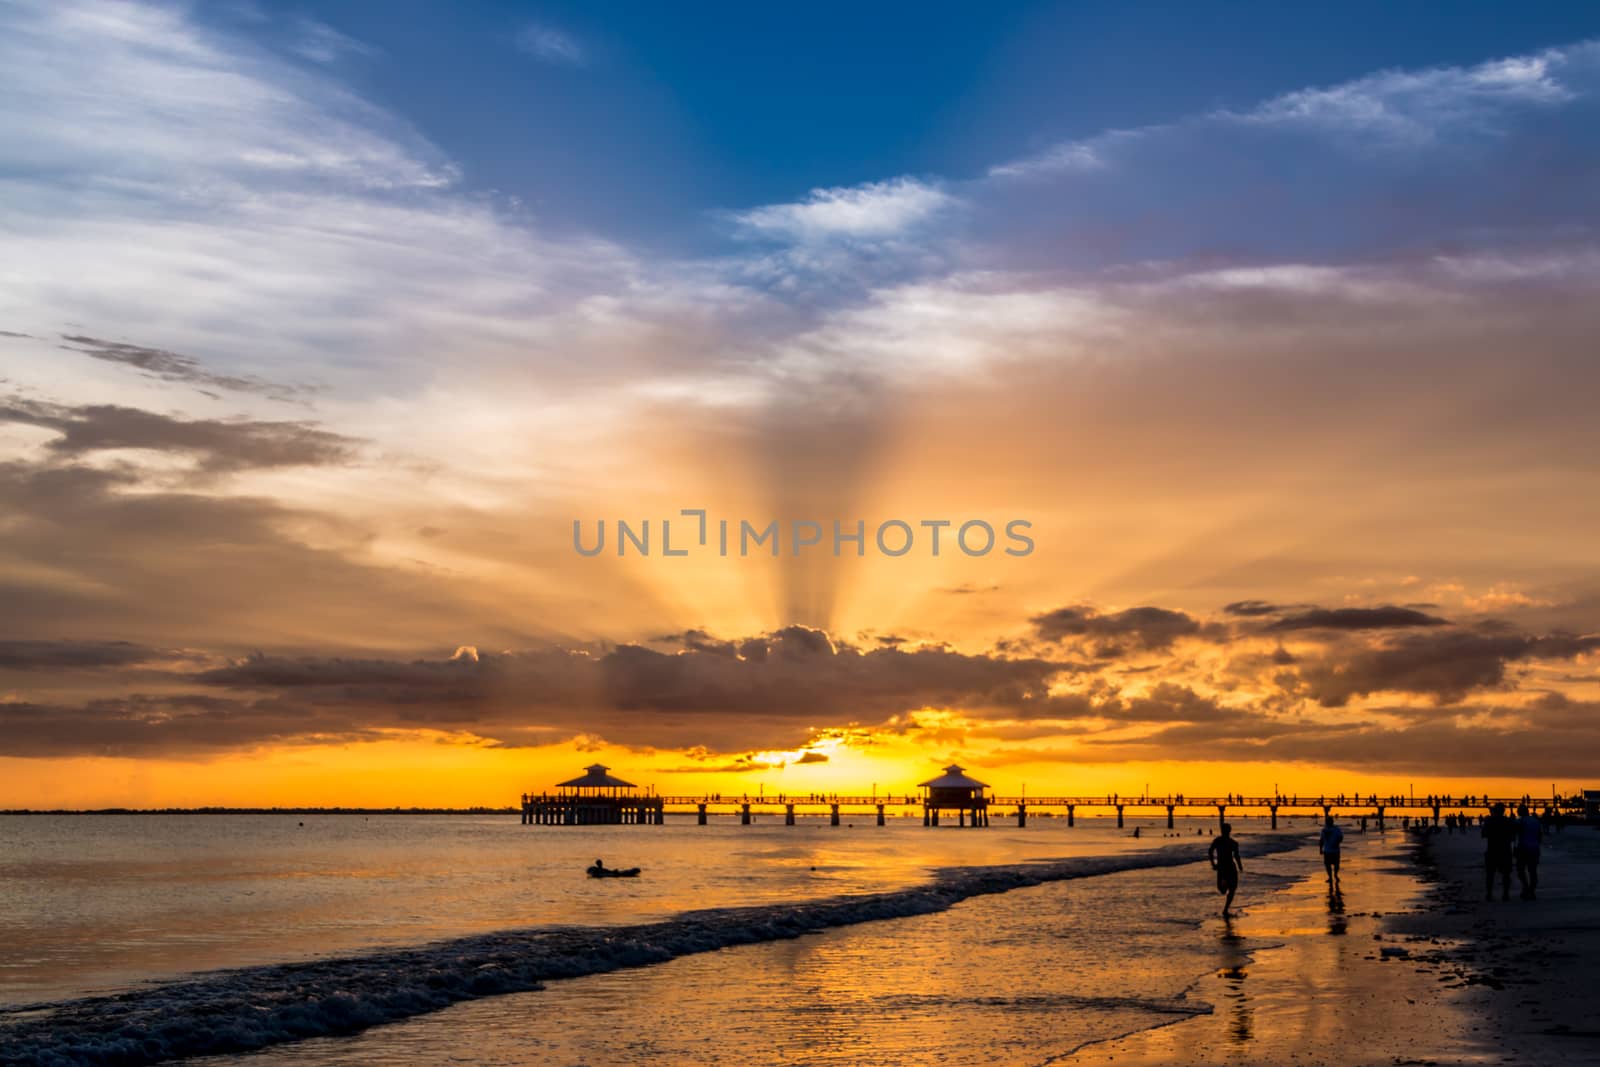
(91, 905)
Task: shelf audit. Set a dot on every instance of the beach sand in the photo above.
(1417, 969)
(1526, 971)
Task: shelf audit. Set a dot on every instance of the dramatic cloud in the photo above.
(776, 684)
(215, 447)
(1506, 747)
(1145, 627)
(1382, 618)
(1444, 666)
(72, 655)
(91, 552)
(161, 726)
(1251, 608)
(780, 691)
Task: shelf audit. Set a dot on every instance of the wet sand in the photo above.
(1416, 969)
(1526, 970)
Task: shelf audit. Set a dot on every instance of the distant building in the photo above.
(1591, 806)
(956, 791)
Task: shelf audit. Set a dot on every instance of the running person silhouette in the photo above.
(1225, 860)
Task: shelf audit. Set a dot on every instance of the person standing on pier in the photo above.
(1225, 860)
(1328, 844)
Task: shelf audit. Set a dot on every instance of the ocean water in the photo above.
(474, 939)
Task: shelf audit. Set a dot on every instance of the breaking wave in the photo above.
(251, 1008)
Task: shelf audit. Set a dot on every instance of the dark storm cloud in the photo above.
(153, 726)
(1509, 745)
(72, 655)
(793, 672)
(213, 445)
(1387, 617)
(727, 695)
(1168, 702)
(174, 367)
(1146, 627)
(1444, 666)
(778, 684)
(87, 552)
(1251, 608)
(1552, 740)
(700, 641)
(693, 690)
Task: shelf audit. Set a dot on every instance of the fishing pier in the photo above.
(598, 798)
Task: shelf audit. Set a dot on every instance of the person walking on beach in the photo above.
(1328, 844)
(1498, 834)
(1530, 834)
(1225, 860)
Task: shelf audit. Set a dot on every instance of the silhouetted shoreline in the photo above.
(258, 811)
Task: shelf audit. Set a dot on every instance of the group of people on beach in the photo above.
(1549, 819)
(1511, 842)
(1226, 861)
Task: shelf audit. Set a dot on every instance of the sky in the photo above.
(321, 325)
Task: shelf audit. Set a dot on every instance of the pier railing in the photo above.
(652, 809)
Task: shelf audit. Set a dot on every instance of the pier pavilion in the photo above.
(955, 790)
(595, 798)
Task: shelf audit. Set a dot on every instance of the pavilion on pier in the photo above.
(955, 790)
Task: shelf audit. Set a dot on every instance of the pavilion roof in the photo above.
(595, 776)
(953, 778)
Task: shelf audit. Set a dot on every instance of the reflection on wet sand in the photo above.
(1235, 958)
(1338, 925)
